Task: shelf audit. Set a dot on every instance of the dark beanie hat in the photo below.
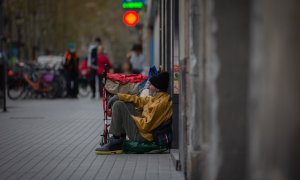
(161, 81)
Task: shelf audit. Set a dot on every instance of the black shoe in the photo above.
(113, 147)
(93, 97)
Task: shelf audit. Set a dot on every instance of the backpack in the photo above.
(163, 134)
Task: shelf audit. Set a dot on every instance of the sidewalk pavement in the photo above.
(55, 139)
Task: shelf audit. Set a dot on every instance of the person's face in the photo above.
(126, 67)
(152, 90)
(72, 50)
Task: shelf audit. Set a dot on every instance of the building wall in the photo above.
(183, 60)
(217, 85)
(274, 91)
(239, 96)
(233, 42)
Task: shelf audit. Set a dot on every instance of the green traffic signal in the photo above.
(132, 5)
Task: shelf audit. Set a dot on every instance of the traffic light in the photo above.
(130, 18)
(132, 5)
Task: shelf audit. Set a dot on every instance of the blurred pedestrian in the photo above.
(92, 63)
(84, 69)
(70, 64)
(137, 59)
(102, 60)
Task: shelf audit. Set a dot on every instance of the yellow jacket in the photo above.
(155, 110)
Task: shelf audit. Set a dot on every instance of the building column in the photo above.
(275, 91)
(217, 79)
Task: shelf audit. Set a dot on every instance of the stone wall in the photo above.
(275, 91)
(241, 89)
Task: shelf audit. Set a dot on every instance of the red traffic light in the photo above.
(130, 18)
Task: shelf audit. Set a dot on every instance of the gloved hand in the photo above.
(112, 100)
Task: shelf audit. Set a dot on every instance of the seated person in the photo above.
(126, 68)
(136, 117)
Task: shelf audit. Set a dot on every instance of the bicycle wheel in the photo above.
(61, 87)
(16, 88)
(53, 90)
(84, 88)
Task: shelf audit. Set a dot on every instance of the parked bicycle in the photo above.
(29, 81)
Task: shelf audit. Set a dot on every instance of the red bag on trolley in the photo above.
(124, 83)
(126, 78)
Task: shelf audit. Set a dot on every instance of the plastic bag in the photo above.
(135, 147)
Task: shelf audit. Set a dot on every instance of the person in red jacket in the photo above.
(101, 61)
(84, 69)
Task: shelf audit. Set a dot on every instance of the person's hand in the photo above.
(112, 100)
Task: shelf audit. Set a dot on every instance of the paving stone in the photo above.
(55, 139)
